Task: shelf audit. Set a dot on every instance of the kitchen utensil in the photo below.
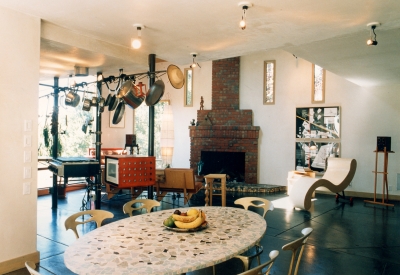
(155, 93)
(131, 94)
(119, 112)
(72, 99)
(113, 103)
(175, 76)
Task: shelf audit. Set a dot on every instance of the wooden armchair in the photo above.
(178, 180)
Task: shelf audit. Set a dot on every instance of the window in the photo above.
(188, 88)
(269, 82)
(318, 84)
(142, 128)
(72, 140)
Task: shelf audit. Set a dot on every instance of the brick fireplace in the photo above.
(226, 128)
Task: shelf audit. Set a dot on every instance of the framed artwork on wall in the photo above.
(269, 82)
(188, 88)
(318, 84)
(317, 136)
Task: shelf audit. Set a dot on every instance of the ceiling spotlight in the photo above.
(194, 63)
(136, 43)
(245, 6)
(372, 41)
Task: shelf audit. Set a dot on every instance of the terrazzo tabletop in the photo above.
(142, 245)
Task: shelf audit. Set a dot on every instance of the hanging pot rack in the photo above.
(106, 81)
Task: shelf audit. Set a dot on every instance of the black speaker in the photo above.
(382, 142)
(130, 140)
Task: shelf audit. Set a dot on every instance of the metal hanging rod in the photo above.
(105, 80)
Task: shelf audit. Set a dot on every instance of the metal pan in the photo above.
(131, 94)
(155, 93)
(119, 112)
(72, 99)
(107, 102)
(113, 103)
(86, 103)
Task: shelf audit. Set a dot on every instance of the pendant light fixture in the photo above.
(194, 63)
(244, 6)
(372, 41)
(136, 43)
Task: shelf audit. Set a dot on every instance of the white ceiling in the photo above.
(330, 33)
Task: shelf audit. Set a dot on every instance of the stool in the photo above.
(209, 188)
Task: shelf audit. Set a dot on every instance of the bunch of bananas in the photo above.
(193, 218)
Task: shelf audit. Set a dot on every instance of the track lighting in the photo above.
(372, 41)
(136, 43)
(245, 6)
(194, 63)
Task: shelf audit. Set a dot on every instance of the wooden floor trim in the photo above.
(18, 263)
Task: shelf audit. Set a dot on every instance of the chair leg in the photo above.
(292, 261)
(298, 260)
(245, 261)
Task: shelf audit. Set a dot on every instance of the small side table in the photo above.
(209, 188)
(293, 176)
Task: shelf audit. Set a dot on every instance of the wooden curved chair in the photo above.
(294, 246)
(338, 176)
(97, 215)
(145, 203)
(255, 251)
(259, 269)
(31, 268)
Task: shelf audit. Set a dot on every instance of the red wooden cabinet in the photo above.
(130, 171)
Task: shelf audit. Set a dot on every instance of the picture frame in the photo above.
(318, 136)
(269, 82)
(188, 88)
(121, 124)
(318, 84)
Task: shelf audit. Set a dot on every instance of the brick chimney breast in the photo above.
(226, 128)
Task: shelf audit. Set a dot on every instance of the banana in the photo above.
(192, 212)
(203, 216)
(188, 225)
(184, 218)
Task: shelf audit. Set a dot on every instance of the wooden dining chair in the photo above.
(31, 268)
(259, 269)
(144, 203)
(257, 250)
(96, 215)
(294, 247)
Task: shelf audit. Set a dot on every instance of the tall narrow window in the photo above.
(269, 82)
(188, 88)
(318, 84)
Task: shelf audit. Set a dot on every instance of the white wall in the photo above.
(19, 78)
(365, 114)
(183, 115)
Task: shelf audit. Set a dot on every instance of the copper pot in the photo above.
(131, 94)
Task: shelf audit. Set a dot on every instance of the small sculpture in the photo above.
(201, 104)
(192, 122)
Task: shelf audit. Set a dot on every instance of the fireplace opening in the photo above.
(230, 163)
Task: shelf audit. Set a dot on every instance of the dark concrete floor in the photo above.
(358, 239)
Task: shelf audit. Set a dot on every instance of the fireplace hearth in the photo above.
(230, 163)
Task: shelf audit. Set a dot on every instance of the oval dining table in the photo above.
(143, 245)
